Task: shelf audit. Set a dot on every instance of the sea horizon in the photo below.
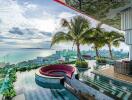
(17, 55)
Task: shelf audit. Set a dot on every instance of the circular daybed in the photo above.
(54, 74)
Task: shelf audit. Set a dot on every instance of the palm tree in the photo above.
(96, 38)
(113, 38)
(77, 27)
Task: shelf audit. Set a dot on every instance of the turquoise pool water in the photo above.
(26, 85)
(115, 83)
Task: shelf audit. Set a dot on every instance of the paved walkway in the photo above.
(0, 97)
(19, 97)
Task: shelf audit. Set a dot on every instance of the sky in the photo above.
(32, 23)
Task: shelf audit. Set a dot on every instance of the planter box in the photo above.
(100, 63)
(82, 69)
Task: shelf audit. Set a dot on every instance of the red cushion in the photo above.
(68, 70)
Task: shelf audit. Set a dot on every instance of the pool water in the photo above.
(26, 85)
(112, 82)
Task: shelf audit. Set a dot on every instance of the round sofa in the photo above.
(52, 70)
(54, 74)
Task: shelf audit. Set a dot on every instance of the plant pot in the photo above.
(8, 98)
(82, 69)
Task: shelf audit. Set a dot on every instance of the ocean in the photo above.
(14, 56)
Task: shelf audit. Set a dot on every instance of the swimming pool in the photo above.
(122, 90)
(26, 85)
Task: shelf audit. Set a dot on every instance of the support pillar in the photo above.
(130, 52)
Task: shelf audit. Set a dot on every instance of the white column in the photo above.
(130, 52)
(126, 25)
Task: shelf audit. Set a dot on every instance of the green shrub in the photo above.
(81, 64)
(9, 91)
(12, 75)
(22, 69)
(101, 60)
(69, 62)
(9, 94)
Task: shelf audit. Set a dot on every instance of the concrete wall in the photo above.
(1, 96)
(47, 80)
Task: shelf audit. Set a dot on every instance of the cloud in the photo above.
(31, 6)
(24, 43)
(32, 32)
(67, 15)
(46, 33)
(47, 25)
(12, 15)
(29, 15)
(16, 30)
(31, 10)
(25, 37)
(27, 24)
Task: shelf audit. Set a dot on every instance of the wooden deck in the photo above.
(109, 72)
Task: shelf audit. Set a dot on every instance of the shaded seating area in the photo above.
(123, 67)
(57, 70)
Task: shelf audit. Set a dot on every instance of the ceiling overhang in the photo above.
(106, 11)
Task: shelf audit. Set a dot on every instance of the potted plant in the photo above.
(82, 65)
(101, 60)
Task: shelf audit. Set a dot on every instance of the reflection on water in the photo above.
(26, 84)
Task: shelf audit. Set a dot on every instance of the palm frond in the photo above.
(60, 37)
(65, 23)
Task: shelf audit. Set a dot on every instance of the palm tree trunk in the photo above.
(110, 51)
(78, 51)
(80, 4)
(97, 52)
